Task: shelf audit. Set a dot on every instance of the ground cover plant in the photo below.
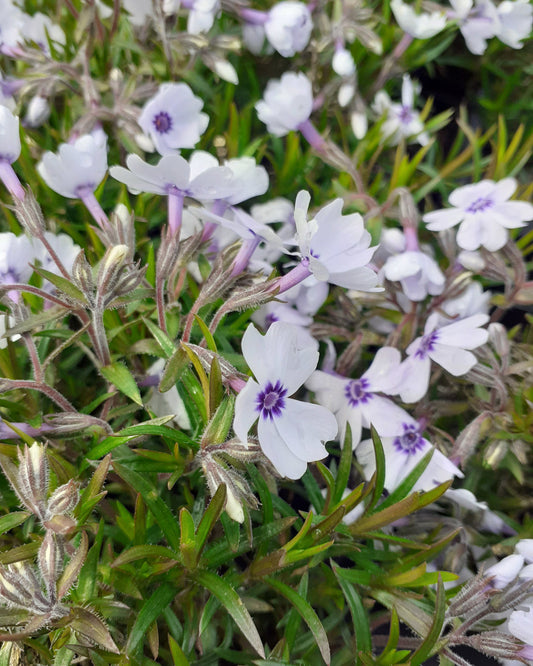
(266, 332)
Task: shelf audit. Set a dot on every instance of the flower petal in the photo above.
(277, 451)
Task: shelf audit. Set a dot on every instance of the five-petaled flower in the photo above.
(291, 433)
(484, 213)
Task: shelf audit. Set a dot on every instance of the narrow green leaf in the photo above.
(64, 285)
(162, 338)
(173, 370)
(231, 601)
(148, 614)
(345, 466)
(308, 614)
(407, 484)
(359, 615)
(178, 656)
(216, 390)
(91, 627)
(380, 470)
(141, 552)
(425, 650)
(187, 539)
(210, 341)
(12, 520)
(210, 517)
(294, 621)
(119, 375)
(161, 512)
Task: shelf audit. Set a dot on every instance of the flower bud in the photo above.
(33, 477)
(82, 276)
(359, 123)
(63, 499)
(38, 111)
(29, 214)
(110, 269)
(49, 560)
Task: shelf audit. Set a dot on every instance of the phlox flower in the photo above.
(16, 255)
(402, 455)
(516, 19)
(402, 120)
(420, 26)
(288, 27)
(505, 571)
(296, 306)
(78, 167)
(477, 23)
(286, 103)
(417, 272)
(201, 13)
(484, 213)
(488, 520)
(291, 433)
(447, 345)
(173, 118)
(333, 247)
(519, 625)
(9, 151)
(357, 401)
(472, 300)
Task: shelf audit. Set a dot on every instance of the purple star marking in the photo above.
(411, 441)
(162, 122)
(427, 344)
(480, 205)
(356, 392)
(271, 401)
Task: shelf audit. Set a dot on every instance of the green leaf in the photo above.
(211, 344)
(73, 568)
(216, 390)
(162, 338)
(119, 375)
(187, 539)
(12, 520)
(178, 656)
(161, 512)
(231, 601)
(210, 517)
(141, 552)
(173, 370)
(64, 285)
(89, 625)
(308, 614)
(425, 650)
(148, 614)
(345, 466)
(380, 470)
(357, 610)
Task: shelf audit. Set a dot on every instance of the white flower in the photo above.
(16, 255)
(402, 120)
(335, 247)
(291, 433)
(477, 24)
(9, 136)
(402, 455)
(172, 118)
(139, 11)
(288, 27)
(295, 306)
(202, 15)
(420, 26)
(484, 212)
(520, 625)
(343, 63)
(417, 272)
(525, 548)
(249, 180)
(286, 103)
(472, 300)
(505, 571)
(447, 346)
(39, 29)
(78, 168)
(467, 500)
(516, 19)
(356, 401)
(201, 178)
(18, 27)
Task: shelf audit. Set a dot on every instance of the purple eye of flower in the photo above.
(411, 441)
(271, 401)
(405, 115)
(162, 122)
(480, 205)
(356, 392)
(427, 344)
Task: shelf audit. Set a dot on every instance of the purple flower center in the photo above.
(271, 401)
(427, 344)
(270, 319)
(480, 205)
(405, 115)
(162, 122)
(357, 392)
(411, 441)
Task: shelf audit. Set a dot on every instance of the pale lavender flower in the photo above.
(505, 571)
(173, 118)
(9, 151)
(286, 103)
(417, 272)
(477, 23)
(520, 624)
(516, 19)
(488, 520)
(291, 433)
(357, 401)
(402, 120)
(77, 169)
(420, 26)
(402, 454)
(288, 27)
(472, 300)
(448, 346)
(484, 213)
(333, 248)
(38, 111)
(342, 62)
(16, 255)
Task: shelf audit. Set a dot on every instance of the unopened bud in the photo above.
(469, 437)
(110, 269)
(82, 276)
(38, 111)
(496, 644)
(144, 142)
(49, 559)
(63, 499)
(64, 423)
(29, 214)
(359, 123)
(499, 339)
(33, 477)
(60, 524)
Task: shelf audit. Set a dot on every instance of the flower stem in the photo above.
(11, 180)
